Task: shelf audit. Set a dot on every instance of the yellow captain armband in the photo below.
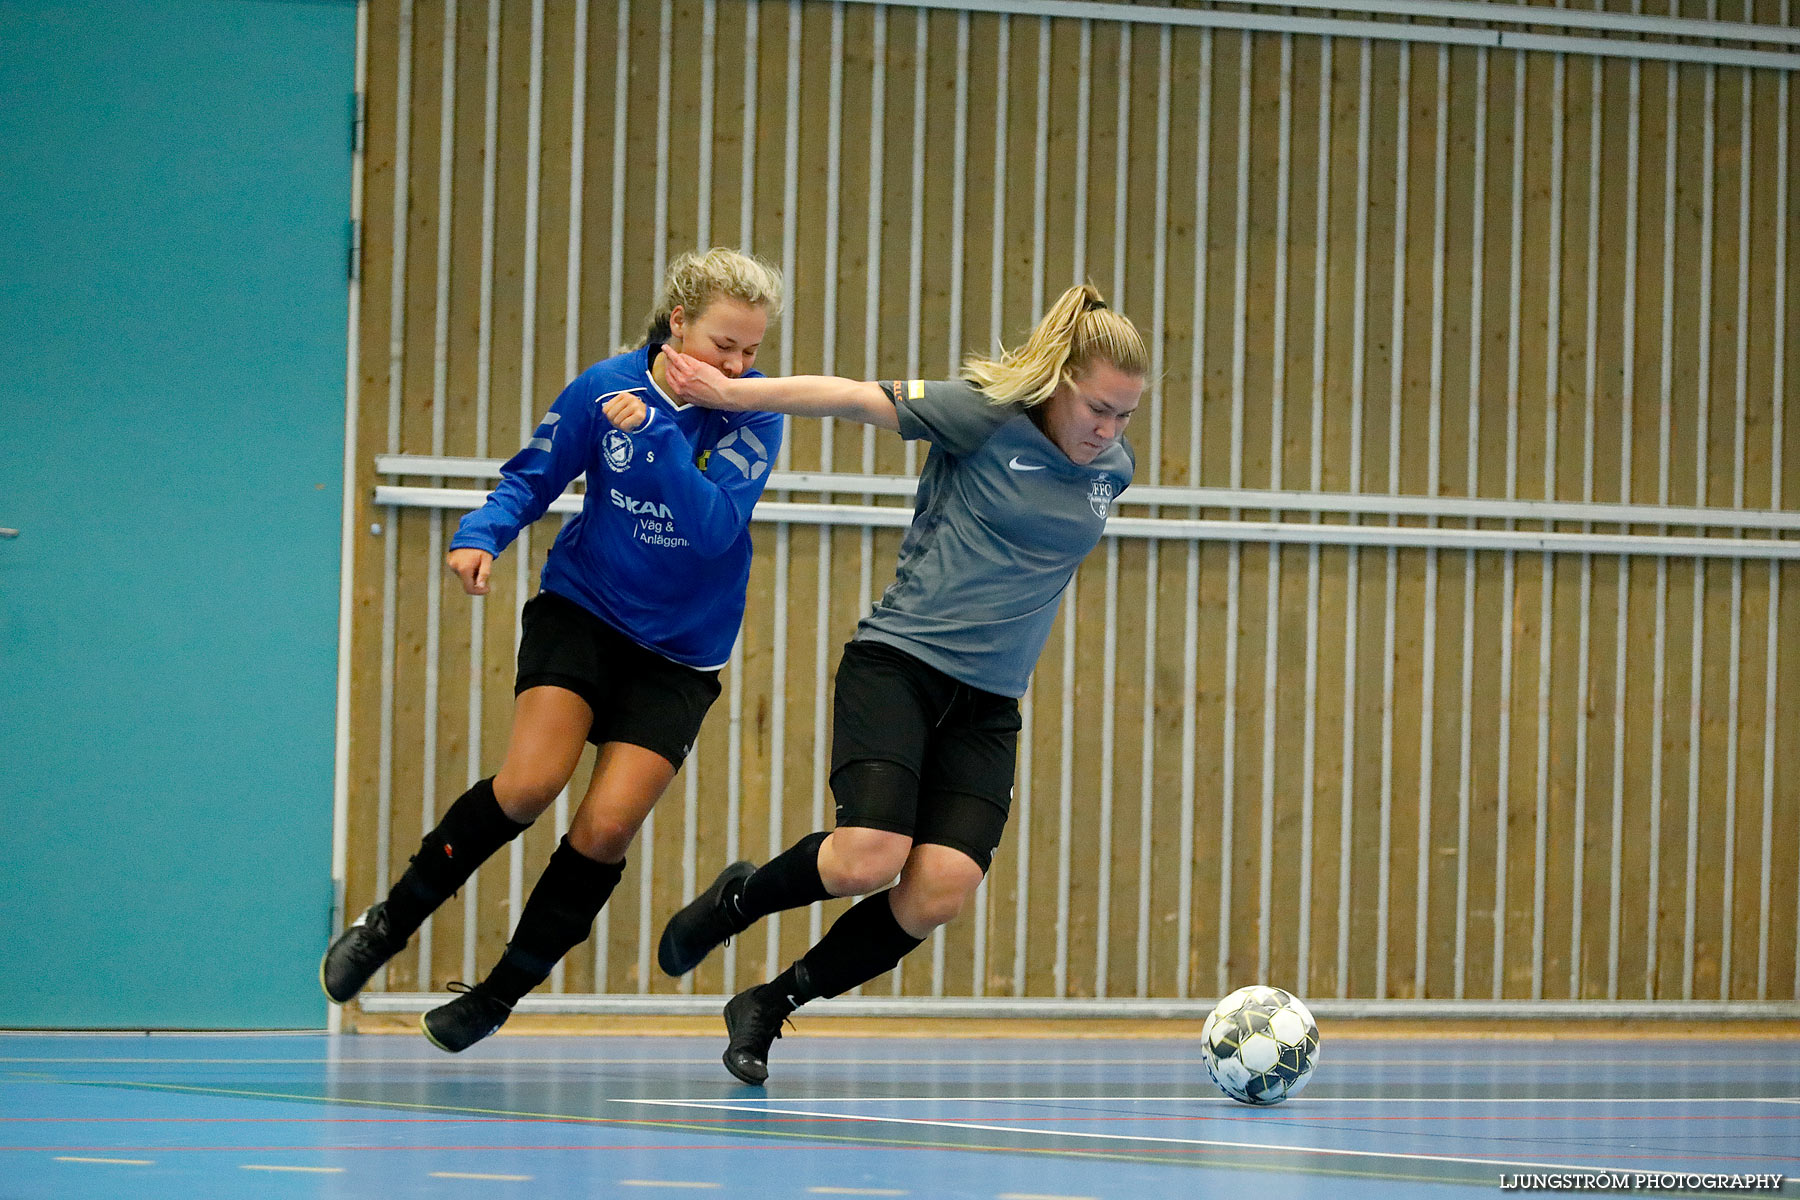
(909, 389)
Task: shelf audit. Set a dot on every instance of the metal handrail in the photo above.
(1184, 529)
(1613, 34)
(1256, 500)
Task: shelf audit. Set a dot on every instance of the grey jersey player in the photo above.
(1027, 458)
(1003, 518)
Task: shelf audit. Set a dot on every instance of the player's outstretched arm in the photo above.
(799, 395)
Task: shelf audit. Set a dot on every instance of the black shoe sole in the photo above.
(666, 957)
(326, 957)
(327, 990)
(750, 1070)
(430, 1037)
(425, 1028)
(746, 1074)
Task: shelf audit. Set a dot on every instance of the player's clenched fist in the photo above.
(471, 566)
(625, 410)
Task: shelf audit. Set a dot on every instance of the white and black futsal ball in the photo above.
(1260, 1044)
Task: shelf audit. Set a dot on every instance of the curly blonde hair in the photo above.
(1078, 331)
(698, 277)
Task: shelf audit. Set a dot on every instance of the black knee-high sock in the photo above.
(470, 832)
(789, 880)
(865, 942)
(558, 917)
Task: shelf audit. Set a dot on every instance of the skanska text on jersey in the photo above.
(655, 523)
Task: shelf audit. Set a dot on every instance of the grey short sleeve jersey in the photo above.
(1001, 521)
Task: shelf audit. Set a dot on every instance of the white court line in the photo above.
(1037, 1196)
(1214, 1143)
(844, 1191)
(664, 1183)
(123, 1162)
(295, 1170)
(472, 1175)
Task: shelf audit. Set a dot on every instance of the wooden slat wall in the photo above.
(1507, 870)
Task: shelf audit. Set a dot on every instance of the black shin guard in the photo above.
(467, 836)
(789, 880)
(865, 942)
(557, 918)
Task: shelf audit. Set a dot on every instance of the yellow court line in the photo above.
(472, 1175)
(123, 1162)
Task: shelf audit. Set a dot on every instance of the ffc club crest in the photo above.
(617, 446)
(1100, 495)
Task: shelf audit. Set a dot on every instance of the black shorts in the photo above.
(637, 695)
(961, 745)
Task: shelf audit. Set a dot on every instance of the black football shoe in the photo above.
(357, 954)
(753, 1020)
(707, 922)
(475, 1014)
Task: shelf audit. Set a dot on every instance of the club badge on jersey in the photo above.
(617, 447)
(1100, 495)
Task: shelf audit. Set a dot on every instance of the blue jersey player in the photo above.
(1027, 457)
(641, 599)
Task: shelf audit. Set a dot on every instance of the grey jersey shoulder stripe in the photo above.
(543, 443)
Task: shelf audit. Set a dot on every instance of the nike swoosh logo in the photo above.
(1016, 465)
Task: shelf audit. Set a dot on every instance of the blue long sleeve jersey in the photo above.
(661, 547)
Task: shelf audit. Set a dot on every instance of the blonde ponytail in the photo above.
(1078, 331)
(697, 278)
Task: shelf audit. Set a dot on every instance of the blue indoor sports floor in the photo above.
(165, 1115)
